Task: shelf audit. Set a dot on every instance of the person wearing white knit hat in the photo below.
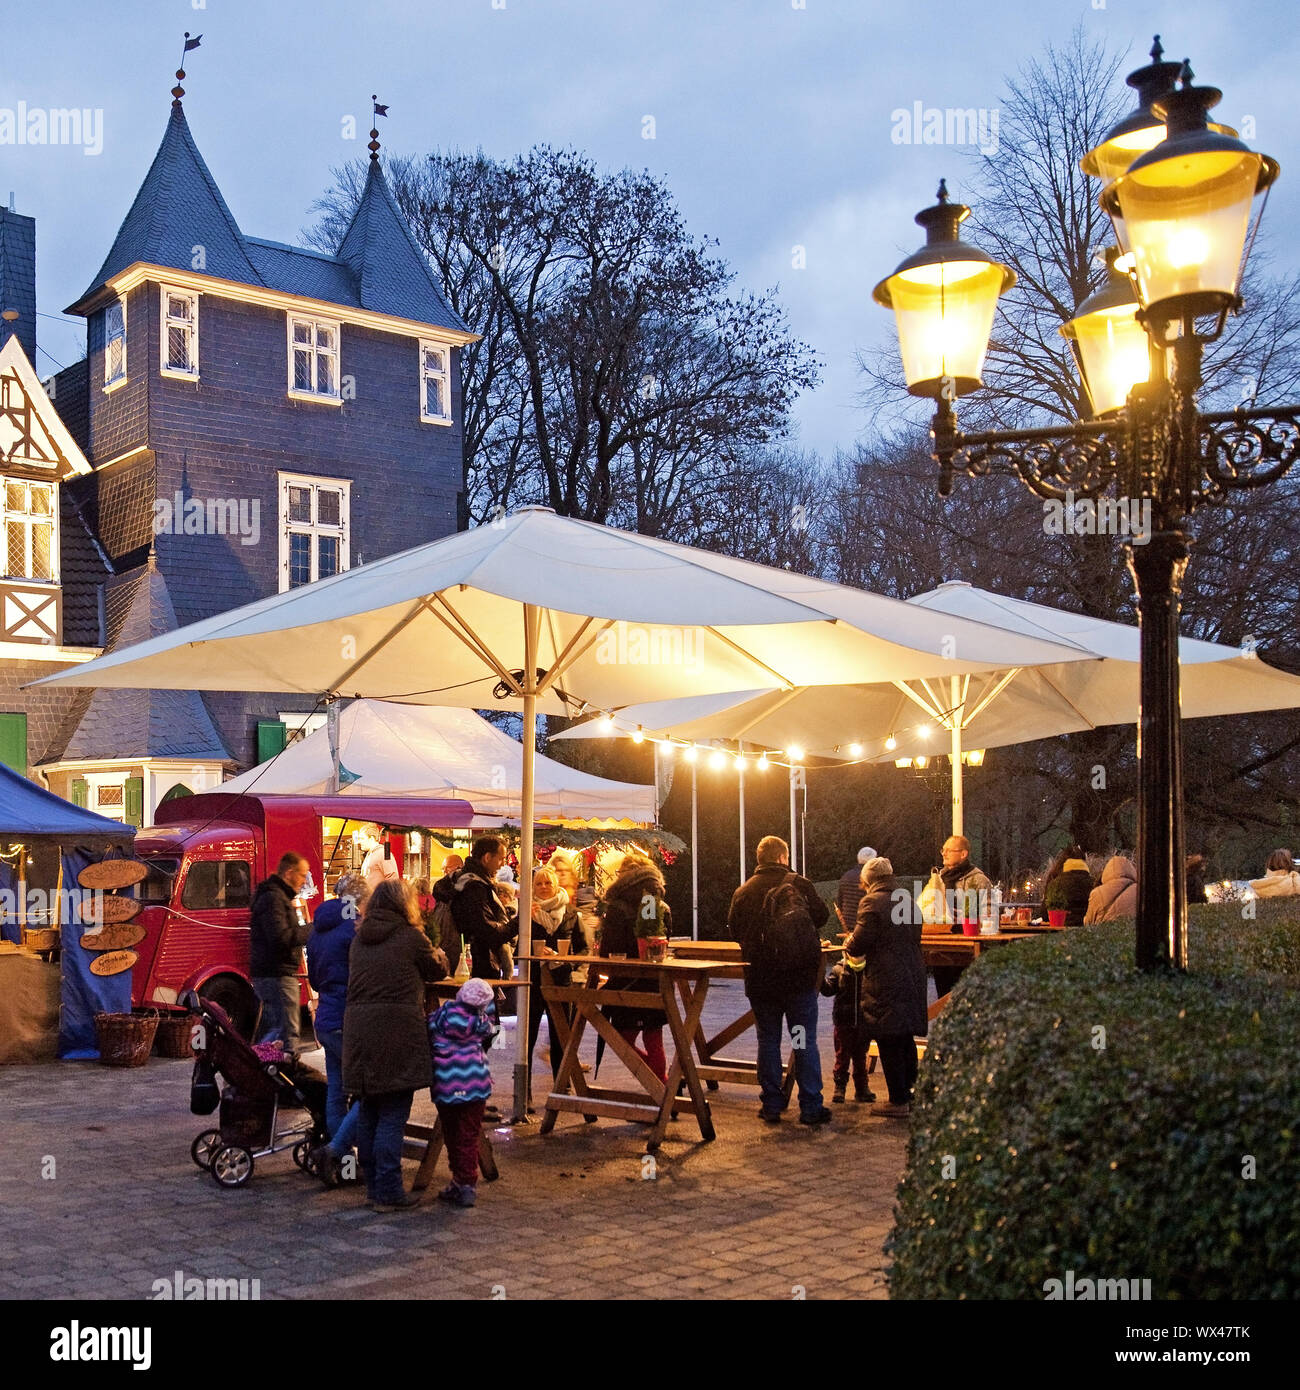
(850, 890)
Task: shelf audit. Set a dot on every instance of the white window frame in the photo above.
(430, 345)
(94, 781)
(316, 324)
(111, 382)
(314, 527)
(29, 519)
(298, 726)
(192, 327)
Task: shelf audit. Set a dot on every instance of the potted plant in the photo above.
(1057, 903)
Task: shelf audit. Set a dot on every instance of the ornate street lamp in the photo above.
(1179, 194)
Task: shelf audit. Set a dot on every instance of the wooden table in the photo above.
(712, 1065)
(941, 947)
(682, 988)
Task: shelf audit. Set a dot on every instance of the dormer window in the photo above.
(313, 359)
(435, 383)
(180, 333)
(115, 344)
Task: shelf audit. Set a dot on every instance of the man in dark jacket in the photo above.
(777, 995)
(479, 914)
(850, 890)
(276, 935)
(886, 944)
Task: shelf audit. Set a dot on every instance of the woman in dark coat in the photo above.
(888, 937)
(385, 1045)
(636, 896)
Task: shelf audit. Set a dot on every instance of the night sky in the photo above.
(773, 119)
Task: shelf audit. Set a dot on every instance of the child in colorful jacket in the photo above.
(459, 1034)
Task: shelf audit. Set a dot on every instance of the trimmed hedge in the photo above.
(1041, 1145)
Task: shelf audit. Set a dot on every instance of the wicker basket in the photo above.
(173, 1039)
(125, 1040)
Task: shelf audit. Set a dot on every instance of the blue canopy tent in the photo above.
(55, 841)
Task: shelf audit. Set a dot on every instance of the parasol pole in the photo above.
(695, 857)
(740, 767)
(332, 724)
(523, 1058)
(955, 719)
(794, 825)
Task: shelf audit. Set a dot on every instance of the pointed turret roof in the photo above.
(178, 207)
(144, 723)
(392, 274)
(380, 266)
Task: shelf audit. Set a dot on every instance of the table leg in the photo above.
(569, 1036)
(424, 1173)
(683, 1029)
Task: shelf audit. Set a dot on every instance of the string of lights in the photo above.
(795, 755)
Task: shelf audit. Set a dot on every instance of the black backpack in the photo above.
(789, 945)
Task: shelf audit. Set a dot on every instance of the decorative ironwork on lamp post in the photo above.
(1179, 196)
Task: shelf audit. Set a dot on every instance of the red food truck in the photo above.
(206, 856)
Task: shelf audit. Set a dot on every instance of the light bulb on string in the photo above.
(796, 753)
(606, 725)
(691, 753)
(717, 759)
(925, 730)
(762, 762)
(890, 744)
(855, 750)
(638, 734)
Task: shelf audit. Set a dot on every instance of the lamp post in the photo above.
(1179, 196)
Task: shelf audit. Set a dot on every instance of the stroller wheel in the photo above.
(202, 1149)
(302, 1155)
(232, 1166)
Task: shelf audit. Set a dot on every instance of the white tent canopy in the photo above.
(426, 751)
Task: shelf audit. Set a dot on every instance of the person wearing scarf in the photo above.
(962, 884)
(553, 919)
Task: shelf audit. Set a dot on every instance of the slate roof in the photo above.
(82, 568)
(18, 278)
(380, 266)
(144, 723)
(71, 397)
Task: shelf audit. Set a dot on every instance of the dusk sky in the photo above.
(772, 118)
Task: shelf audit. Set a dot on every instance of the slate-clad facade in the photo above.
(252, 416)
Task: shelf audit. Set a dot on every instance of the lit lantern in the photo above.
(1113, 349)
(975, 757)
(1141, 130)
(943, 299)
(1185, 208)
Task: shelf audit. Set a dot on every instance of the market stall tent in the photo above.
(46, 842)
(387, 749)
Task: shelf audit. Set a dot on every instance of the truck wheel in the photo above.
(236, 998)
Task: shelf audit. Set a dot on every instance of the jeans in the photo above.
(461, 1127)
(799, 1011)
(379, 1142)
(340, 1120)
(281, 997)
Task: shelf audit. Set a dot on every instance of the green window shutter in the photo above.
(13, 742)
(78, 791)
(272, 735)
(134, 801)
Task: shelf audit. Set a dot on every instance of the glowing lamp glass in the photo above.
(1115, 354)
(944, 313)
(1185, 219)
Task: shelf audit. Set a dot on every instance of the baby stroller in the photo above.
(256, 1090)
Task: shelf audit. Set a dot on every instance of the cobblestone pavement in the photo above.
(99, 1198)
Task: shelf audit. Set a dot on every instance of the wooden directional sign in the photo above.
(108, 907)
(113, 962)
(117, 936)
(113, 873)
